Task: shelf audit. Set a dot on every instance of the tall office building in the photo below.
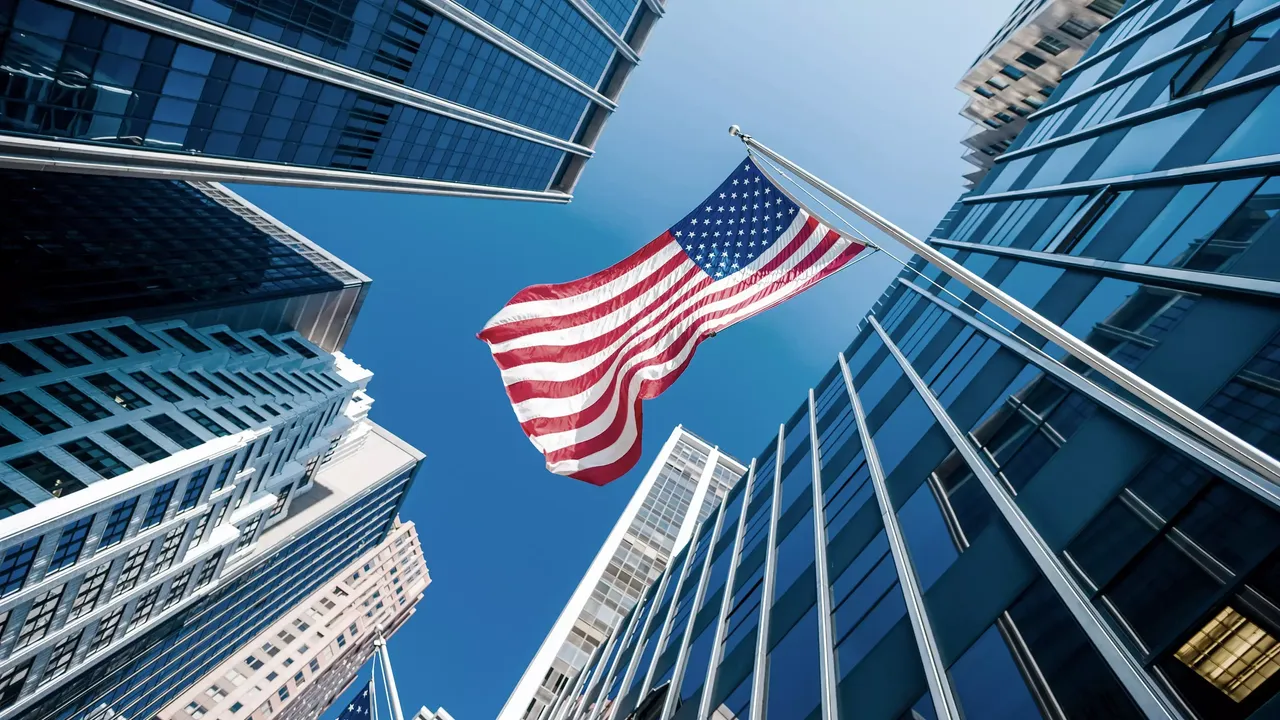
(300, 664)
(683, 485)
(1017, 71)
(458, 97)
(1024, 541)
(166, 494)
(92, 247)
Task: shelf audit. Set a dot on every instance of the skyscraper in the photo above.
(157, 476)
(92, 247)
(1019, 68)
(300, 664)
(683, 485)
(458, 97)
(953, 524)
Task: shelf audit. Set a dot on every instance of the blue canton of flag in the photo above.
(736, 224)
(358, 708)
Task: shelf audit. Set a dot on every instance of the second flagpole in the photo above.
(1168, 406)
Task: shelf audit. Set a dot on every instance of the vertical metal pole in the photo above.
(1162, 402)
(760, 681)
(935, 672)
(826, 633)
(393, 697)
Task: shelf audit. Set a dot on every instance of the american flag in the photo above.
(358, 708)
(577, 358)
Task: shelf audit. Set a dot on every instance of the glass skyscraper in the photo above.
(961, 521)
(494, 98)
(91, 247)
(680, 490)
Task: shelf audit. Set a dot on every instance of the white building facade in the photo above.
(139, 465)
(679, 491)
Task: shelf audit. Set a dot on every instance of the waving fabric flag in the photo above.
(577, 358)
(358, 708)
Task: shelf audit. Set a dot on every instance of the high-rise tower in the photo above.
(685, 482)
(457, 97)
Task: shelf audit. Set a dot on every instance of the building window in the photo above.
(1004, 117)
(60, 351)
(114, 389)
(247, 534)
(1048, 91)
(224, 473)
(257, 417)
(39, 617)
(232, 418)
(1033, 102)
(168, 550)
(195, 488)
(1106, 8)
(283, 692)
(208, 382)
(187, 340)
(36, 417)
(282, 500)
(183, 385)
(201, 524)
(244, 378)
(1019, 111)
(266, 379)
(98, 344)
(47, 474)
(174, 430)
(1232, 653)
(90, 590)
(106, 631)
(299, 348)
(196, 710)
(20, 362)
(984, 92)
(132, 569)
(133, 338)
(207, 422)
(1029, 59)
(145, 379)
(269, 649)
(77, 402)
(299, 678)
(178, 588)
(265, 344)
(11, 682)
(207, 572)
(314, 665)
(253, 662)
(118, 522)
(143, 608)
(92, 456)
(70, 544)
(1052, 45)
(60, 659)
(137, 443)
(229, 340)
(226, 380)
(1013, 72)
(159, 504)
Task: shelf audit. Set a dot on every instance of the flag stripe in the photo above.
(578, 359)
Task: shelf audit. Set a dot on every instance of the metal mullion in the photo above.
(1142, 688)
(677, 673)
(759, 682)
(661, 645)
(826, 629)
(935, 672)
(1172, 278)
(717, 646)
(561, 701)
(604, 28)
(603, 685)
(1243, 478)
(634, 660)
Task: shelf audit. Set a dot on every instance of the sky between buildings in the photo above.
(858, 92)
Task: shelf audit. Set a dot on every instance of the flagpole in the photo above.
(393, 697)
(1168, 406)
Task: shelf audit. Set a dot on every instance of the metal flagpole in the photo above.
(1185, 417)
(393, 697)
(373, 692)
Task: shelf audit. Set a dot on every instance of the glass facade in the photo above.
(473, 92)
(966, 522)
(94, 247)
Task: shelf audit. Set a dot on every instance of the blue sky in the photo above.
(859, 92)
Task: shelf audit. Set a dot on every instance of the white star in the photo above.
(694, 221)
(689, 248)
(720, 209)
(767, 191)
(766, 204)
(735, 182)
(792, 211)
(716, 233)
(718, 221)
(757, 193)
(744, 208)
(735, 266)
(747, 166)
(779, 215)
(756, 206)
(708, 208)
(719, 274)
(753, 232)
(702, 247)
(699, 258)
(704, 234)
(778, 227)
(721, 196)
(677, 233)
(707, 221)
(739, 242)
(733, 195)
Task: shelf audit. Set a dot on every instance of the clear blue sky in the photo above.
(859, 92)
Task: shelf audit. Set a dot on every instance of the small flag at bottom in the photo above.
(358, 708)
(577, 358)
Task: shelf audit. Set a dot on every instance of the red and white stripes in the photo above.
(578, 358)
